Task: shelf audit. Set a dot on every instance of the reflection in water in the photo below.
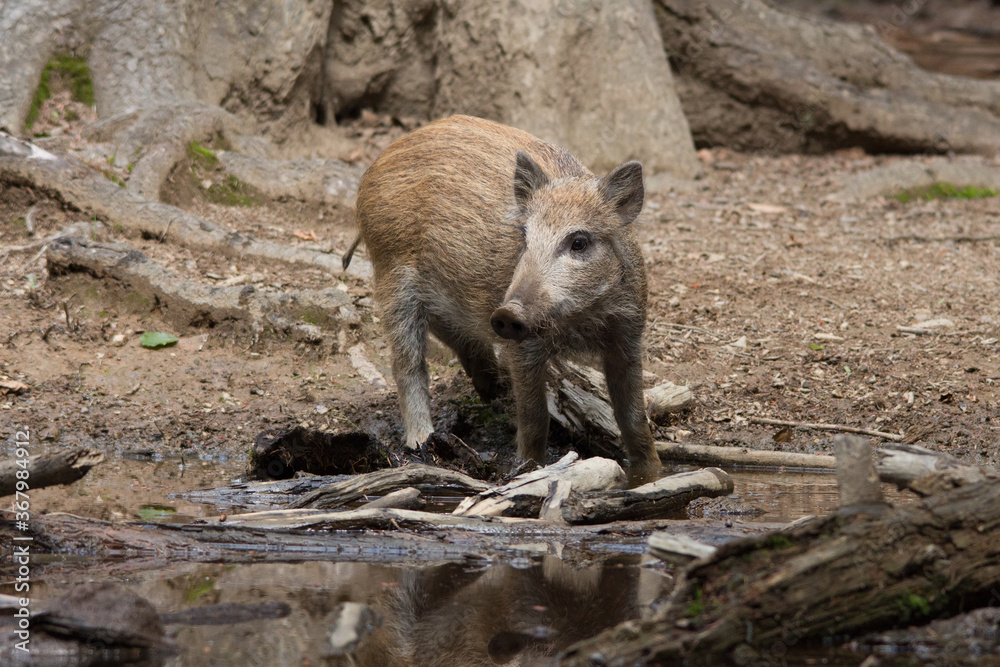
(444, 615)
(452, 615)
(785, 496)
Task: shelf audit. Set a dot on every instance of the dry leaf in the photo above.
(783, 435)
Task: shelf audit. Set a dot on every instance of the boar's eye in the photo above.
(579, 243)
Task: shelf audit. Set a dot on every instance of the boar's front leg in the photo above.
(528, 374)
(623, 375)
(406, 326)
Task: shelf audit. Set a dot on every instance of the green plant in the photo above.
(230, 192)
(697, 606)
(69, 68)
(913, 606)
(777, 542)
(197, 152)
(944, 191)
(113, 177)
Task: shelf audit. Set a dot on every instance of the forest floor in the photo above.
(766, 298)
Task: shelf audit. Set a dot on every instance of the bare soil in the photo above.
(765, 298)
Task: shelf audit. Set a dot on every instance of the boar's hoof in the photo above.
(509, 323)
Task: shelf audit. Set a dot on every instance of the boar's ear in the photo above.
(623, 190)
(528, 177)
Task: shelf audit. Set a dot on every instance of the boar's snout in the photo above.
(508, 321)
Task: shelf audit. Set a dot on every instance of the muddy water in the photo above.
(491, 611)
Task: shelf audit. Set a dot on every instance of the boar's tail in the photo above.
(346, 261)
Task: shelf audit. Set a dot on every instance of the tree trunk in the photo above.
(590, 76)
(752, 77)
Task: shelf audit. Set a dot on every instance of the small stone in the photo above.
(740, 342)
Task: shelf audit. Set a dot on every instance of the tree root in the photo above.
(76, 184)
(185, 303)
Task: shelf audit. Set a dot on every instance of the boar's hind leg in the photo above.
(528, 374)
(406, 326)
(623, 374)
(480, 363)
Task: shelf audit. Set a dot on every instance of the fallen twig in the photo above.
(826, 427)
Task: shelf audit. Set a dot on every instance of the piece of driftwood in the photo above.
(273, 494)
(384, 481)
(836, 576)
(926, 472)
(378, 535)
(667, 398)
(48, 469)
(677, 549)
(581, 402)
(584, 412)
(523, 495)
(559, 491)
(404, 499)
(649, 501)
(857, 479)
(713, 455)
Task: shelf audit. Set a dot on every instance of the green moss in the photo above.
(316, 316)
(913, 606)
(944, 191)
(697, 606)
(113, 177)
(230, 192)
(199, 153)
(73, 73)
(777, 542)
(42, 93)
